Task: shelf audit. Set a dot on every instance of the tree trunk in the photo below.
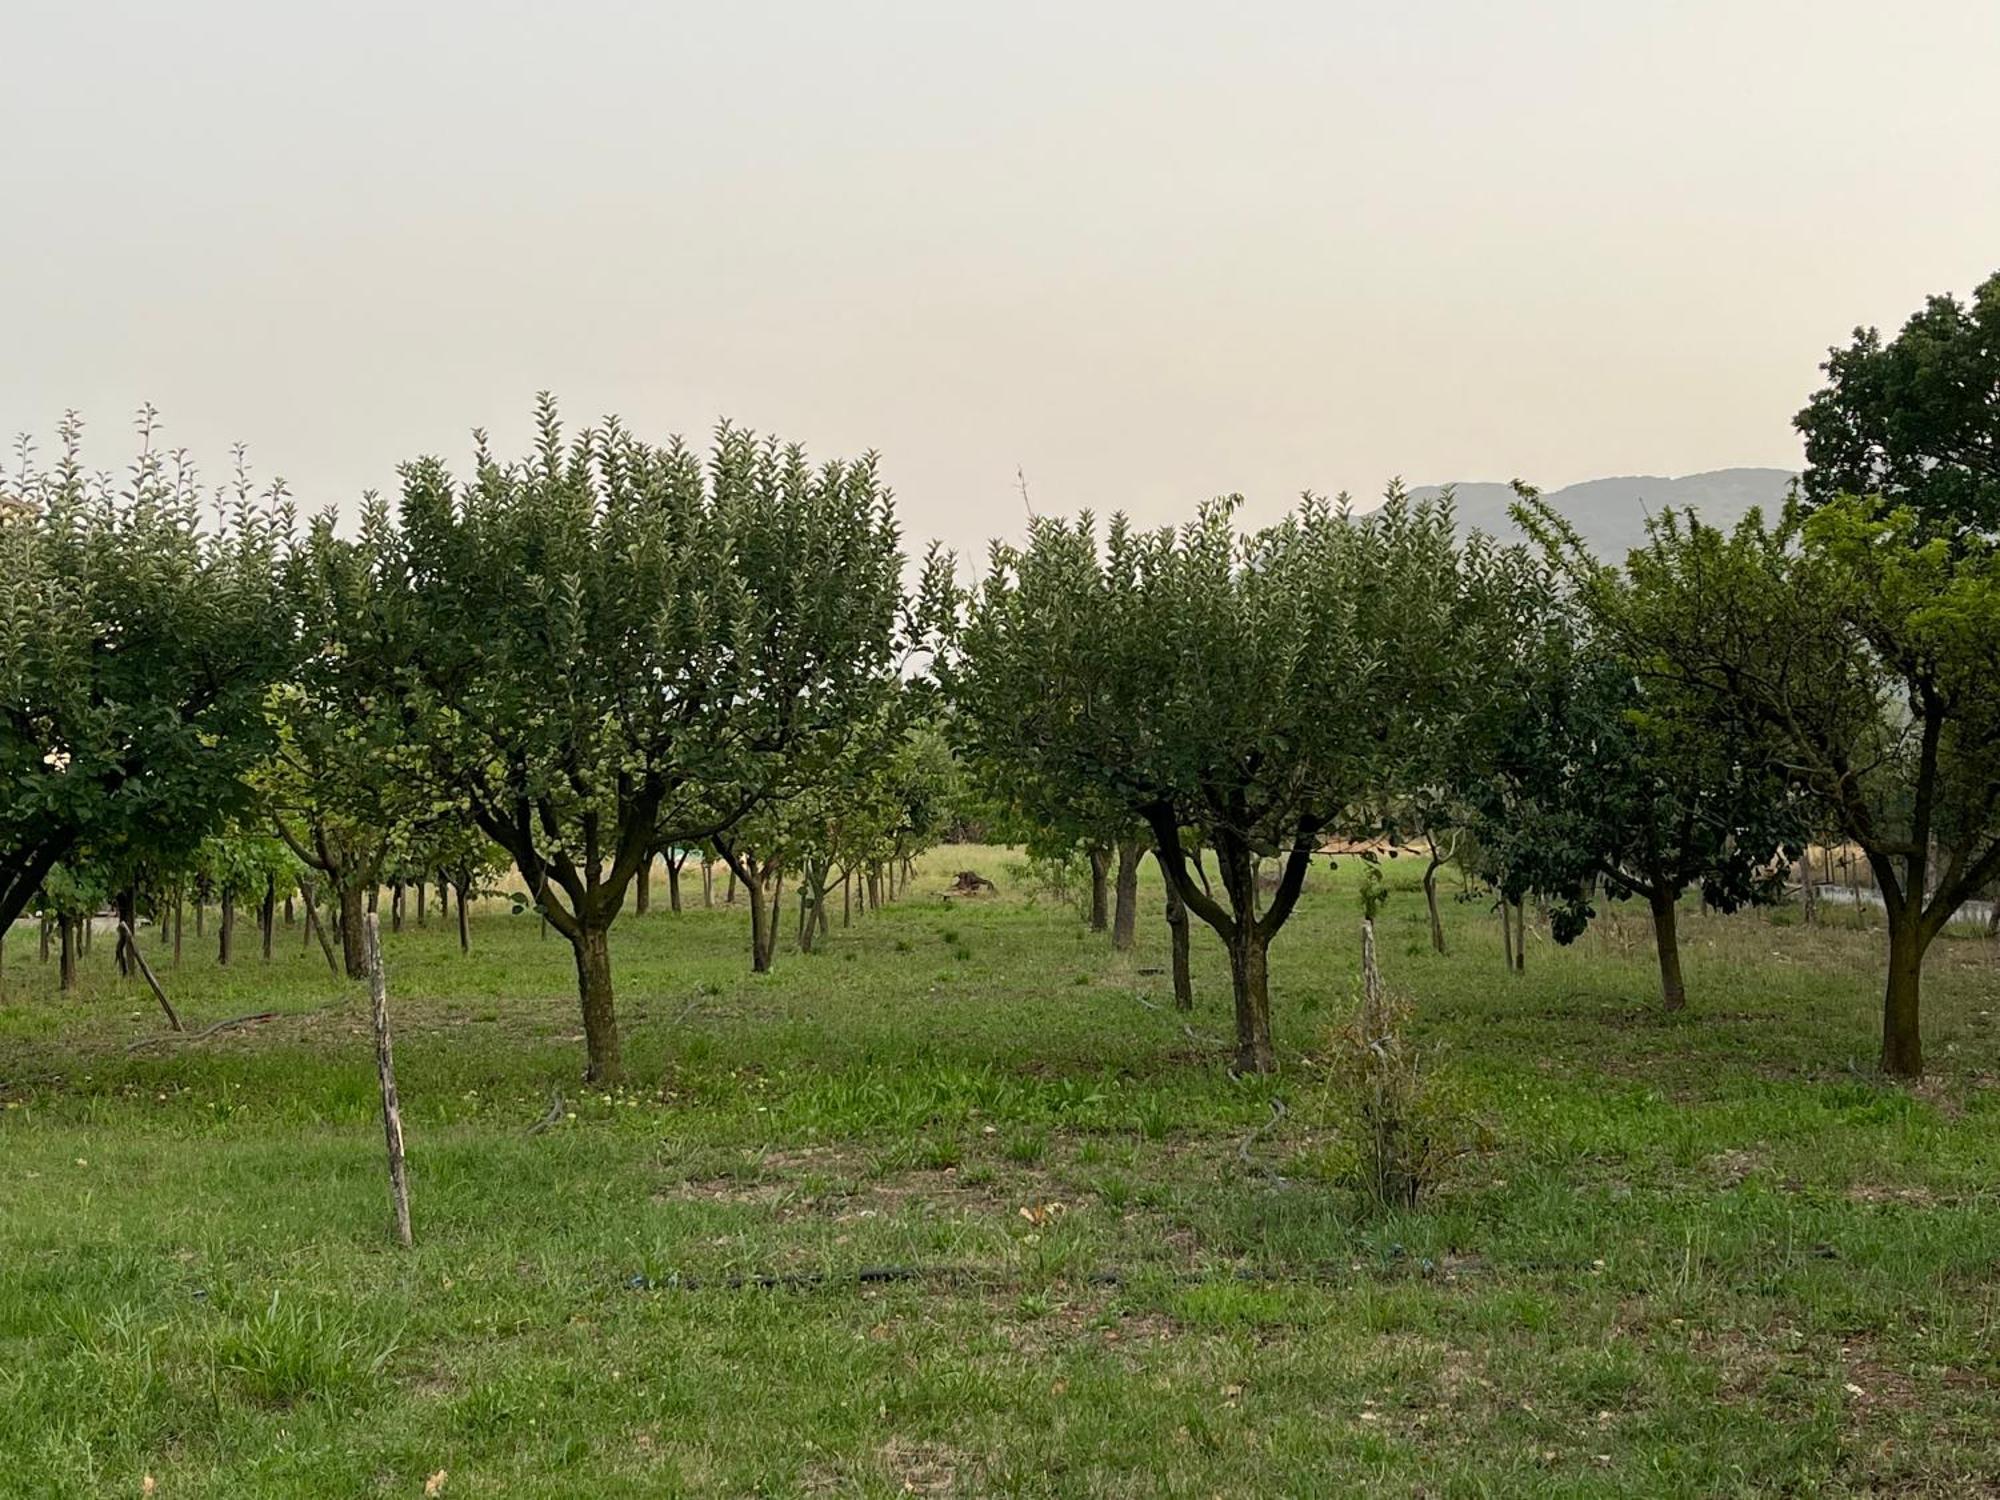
(744, 869)
(1666, 942)
(1125, 918)
(67, 965)
(674, 882)
(1507, 932)
(1808, 890)
(178, 904)
(1100, 869)
(1177, 930)
(464, 926)
(423, 888)
(777, 879)
(1431, 902)
(396, 906)
(226, 945)
(707, 884)
(353, 932)
(1248, 960)
(268, 914)
(600, 1019)
(1520, 937)
(47, 927)
(760, 963)
(643, 902)
(1902, 1040)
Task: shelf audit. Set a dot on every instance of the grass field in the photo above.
(1708, 1255)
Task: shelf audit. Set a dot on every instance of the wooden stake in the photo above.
(146, 970)
(1373, 1008)
(385, 1070)
(314, 928)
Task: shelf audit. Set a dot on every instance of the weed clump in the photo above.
(1400, 1124)
(286, 1352)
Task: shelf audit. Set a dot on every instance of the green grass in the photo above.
(1707, 1255)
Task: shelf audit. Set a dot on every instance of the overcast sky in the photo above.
(1145, 252)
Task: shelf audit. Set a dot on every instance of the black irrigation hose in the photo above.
(972, 1275)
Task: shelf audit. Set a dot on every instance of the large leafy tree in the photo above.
(1915, 419)
(863, 797)
(139, 633)
(1061, 815)
(592, 640)
(347, 788)
(1600, 780)
(1256, 690)
(1855, 652)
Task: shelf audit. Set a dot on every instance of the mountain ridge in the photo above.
(1610, 513)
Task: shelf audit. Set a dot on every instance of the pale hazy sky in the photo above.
(1147, 252)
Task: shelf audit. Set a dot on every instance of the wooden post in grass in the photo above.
(146, 972)
(385, 1071)
(1373, 1008)
(314, 928)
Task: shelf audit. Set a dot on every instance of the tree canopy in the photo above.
(1257, 689)
(1599, 780)
(595, 639)
(140, 629)
(1915, 419)
(1855, 653)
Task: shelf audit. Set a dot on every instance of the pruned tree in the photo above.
(1856, 654)
(595, 639)
(1598, 781)
(137, 642)
(68, 898)
(1255, 689)
(345, 787)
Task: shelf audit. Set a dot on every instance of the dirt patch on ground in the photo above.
(1733, 1168)
(911, 1468)
(1873, 1386)
(840, 1185)
(1893, 1193)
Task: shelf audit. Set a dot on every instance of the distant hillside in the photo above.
(1611, 513)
